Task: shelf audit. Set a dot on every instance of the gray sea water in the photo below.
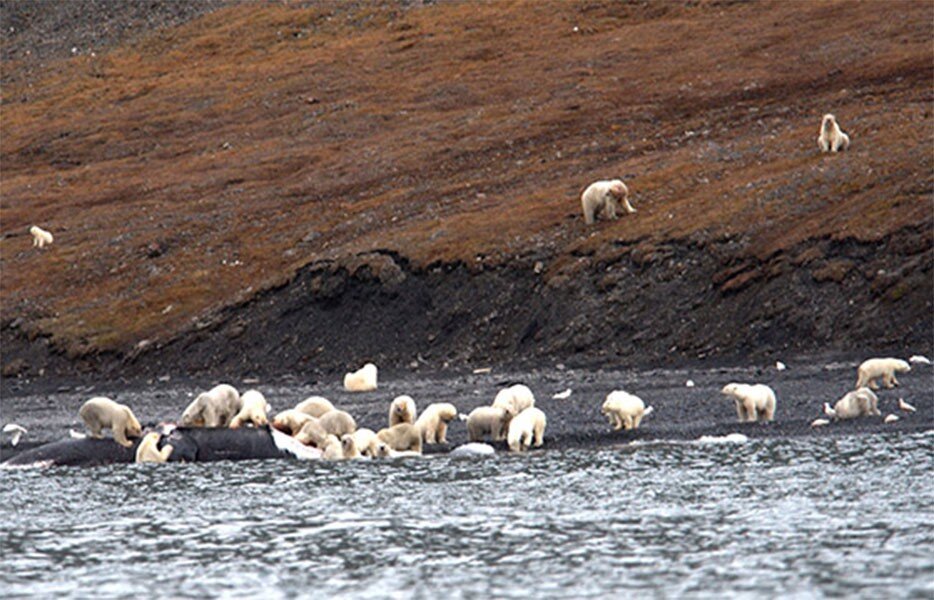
(811, 517)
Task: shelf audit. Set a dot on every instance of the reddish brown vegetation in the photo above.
(212, 160)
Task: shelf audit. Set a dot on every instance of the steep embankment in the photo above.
(268, 188)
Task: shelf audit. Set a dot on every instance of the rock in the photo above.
(15, 368)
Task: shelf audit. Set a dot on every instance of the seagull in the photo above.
(819, 422)
(780, 366)
(905, 406)
(890, 419)
(689, 383)
(921, 360)
(829, 411)
(462, 416)
(16, 430)
(563, 395)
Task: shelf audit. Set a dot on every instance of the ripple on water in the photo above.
(766, 517)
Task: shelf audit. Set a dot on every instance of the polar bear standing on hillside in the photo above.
(753, 402)
(886, 368)
(831, 138)
(40, 237)
(605, 196)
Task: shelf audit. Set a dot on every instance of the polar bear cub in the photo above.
(526, 429)
(362, 380)
(624, 410)
(40, 237)
(214, 408)
(253, 410)
(402, 410)
(831, 138)
(433, 422)
(605, 196)
(753, 402)
(515, 398)
(103, 413)
(148, 449)
(488, 420)
(855, 404)
(315, 406)
(874, 368)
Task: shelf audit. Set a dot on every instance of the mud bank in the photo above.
(628, 305)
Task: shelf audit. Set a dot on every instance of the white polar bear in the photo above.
(333, 448)
(403, 437)
(515, 398)
(338, 422)
(605, 196)
(831, 138)
(364, 439)
(488, 420)
(103, 413)
(40, 237)
(214, 408)
(874, 368)
(527, 429)
(253, 410)
(363, 380)
(402, 410)
(854, 404)
(753, 402)
(433, 422)
(148, 449)
(315, 406)
(624, 410)
(290, 421)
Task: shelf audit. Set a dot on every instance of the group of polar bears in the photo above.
(317, 423)
(605, 197)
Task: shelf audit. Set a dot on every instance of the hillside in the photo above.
(301, 187)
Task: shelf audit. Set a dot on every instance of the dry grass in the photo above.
(445, 133)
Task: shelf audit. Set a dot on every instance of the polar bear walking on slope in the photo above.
(874, 368)
(753, 402)
(605, 196)
(40, 237)
(831, 138)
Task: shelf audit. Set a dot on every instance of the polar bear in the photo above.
(312, 433)
(214, 408)
(403, 437)
(402, 410)
(148, 449)
(253, 410)
(433, 422)
(488, 420)
(290, 421)
(333, 449)
(831, 139)
(858, 403)
(874, 368)
(315, 406)
(349, 446)
(526, 429)
(605, 196)
(753, 402)
(515, 398)
(40, 237)
(363, 380)
(103, 413)
(363, 439)
(338, 422)
(624, 410)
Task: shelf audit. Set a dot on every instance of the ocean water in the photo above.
(806, 517)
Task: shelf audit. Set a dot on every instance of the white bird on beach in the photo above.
(819, 422)
(563, 395)
(780, 366)
(890, 419)
(16, 430)
(919, 360)
(905, 406)
(829, 411)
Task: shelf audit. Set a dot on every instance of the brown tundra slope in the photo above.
(300, 187)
